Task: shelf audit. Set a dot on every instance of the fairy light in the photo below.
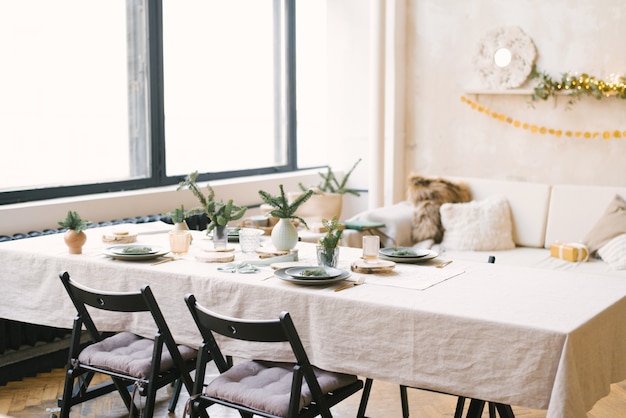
(543, 130)
(578, 85)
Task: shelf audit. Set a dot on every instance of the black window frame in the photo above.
(157, 176)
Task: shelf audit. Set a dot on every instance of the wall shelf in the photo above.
(517, 92)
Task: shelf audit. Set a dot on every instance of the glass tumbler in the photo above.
(179, 241)
(371, 246)
(250, 239)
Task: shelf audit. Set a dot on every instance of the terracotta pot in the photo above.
(75, 241)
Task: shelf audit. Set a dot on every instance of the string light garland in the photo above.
(577, 86)
(542, 130)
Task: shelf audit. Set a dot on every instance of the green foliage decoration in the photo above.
(576, 86)
(280, 203)
(74, 222)
(178, 215)
(330, 183)
(334, 233)
(218, 212)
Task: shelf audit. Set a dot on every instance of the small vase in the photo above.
(327, 256)
(75, 241)
(284, 235)
(220, 237)
(181, 226)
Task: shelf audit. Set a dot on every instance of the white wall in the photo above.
(446, 137)
(442, 135)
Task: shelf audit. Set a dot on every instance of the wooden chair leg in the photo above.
(178, 384)
(476, 408)
(505, 411)
(460, 404)
(367, 388)
(404, 400)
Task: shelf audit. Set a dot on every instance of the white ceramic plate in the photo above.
(404, 252)
(313, 272)
(284, 276)
(431, 254)
(117, 252)
(133, 249)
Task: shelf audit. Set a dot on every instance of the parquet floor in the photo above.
(36, 397)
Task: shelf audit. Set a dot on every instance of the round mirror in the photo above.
(502, 57)
(505, 57)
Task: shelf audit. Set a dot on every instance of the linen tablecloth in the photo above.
(527, 337)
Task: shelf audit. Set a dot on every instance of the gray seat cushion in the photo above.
(129, 354)
(266, 386)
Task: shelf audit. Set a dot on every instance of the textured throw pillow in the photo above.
(483, 225)
(614, 252)
(427, 194)
(610, 225)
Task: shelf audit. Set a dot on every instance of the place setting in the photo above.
(407, 254)
(312, 275)
(135, 252)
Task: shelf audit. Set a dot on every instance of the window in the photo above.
(110, 95)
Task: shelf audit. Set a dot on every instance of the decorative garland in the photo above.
(606, 135)
(577, 86)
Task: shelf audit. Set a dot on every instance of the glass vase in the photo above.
(220, 237)
(327, 256)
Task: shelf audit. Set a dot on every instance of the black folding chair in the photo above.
(264, 388)
(134, 364)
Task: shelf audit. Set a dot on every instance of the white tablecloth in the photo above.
(523, 337)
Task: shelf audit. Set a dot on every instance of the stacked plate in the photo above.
(134, 252)
(406, 254)
(312, 275)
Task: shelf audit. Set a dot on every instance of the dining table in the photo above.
(518, 336)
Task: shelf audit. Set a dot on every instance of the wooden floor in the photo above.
(36, 397)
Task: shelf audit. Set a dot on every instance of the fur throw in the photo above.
(427, 194)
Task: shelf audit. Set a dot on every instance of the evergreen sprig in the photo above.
(74, 222)
(334, 232)
(330, 183)
(576, 86)
(282, 208)
(178, 215)
(219, 213)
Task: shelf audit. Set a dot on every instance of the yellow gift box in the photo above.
(572, 251)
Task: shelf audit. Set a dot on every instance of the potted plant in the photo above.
(218, 212)
(178, 217)
(327, 200)
(284, 233)
(328, 245)
(75, 236)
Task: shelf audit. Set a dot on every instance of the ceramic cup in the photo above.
(250, 239)
(371, 246)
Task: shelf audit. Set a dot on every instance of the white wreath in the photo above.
(523, 55)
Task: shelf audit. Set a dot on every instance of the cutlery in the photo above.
(165, 260)
(351, 284)
(442, 265)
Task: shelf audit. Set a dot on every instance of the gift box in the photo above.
(572, 251)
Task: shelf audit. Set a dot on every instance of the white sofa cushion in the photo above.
(478, 225)
(529, 206)
(614, 252)
(609, 226)
(575, 209)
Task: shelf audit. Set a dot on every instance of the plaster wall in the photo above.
(446, 137)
